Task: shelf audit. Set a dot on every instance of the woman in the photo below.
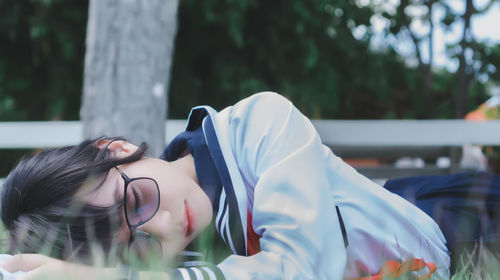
(256, 174)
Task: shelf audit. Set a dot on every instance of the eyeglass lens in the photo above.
(141, 201)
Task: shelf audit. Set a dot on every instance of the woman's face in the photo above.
(184, 210)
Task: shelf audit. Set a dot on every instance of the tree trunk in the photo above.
(127, 69)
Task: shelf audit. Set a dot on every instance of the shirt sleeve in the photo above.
(279, 152)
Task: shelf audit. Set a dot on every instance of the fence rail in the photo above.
(49, 134)
(354, 133)
(383, 139)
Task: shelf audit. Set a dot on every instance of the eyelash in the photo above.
(136, 200)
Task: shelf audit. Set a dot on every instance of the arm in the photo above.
(39, 266)
(280, 153)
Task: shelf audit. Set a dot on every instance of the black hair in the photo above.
(38, 203)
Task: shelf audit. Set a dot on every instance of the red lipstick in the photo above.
(190, 219)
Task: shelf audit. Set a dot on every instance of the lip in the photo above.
(190, 219)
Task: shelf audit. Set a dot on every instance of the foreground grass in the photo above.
(481, 262)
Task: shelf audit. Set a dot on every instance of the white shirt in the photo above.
(290, 182)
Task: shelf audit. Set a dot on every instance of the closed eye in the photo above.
(137, 200)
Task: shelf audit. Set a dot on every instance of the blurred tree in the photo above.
(488, 58)
(467, 47)
(41, 58)
(403, 20)
(468, 51)
(306, 50)
(127, 64)
(317, 53)
(41, 63)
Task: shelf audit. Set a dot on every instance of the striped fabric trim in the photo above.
(231, 220)
(193, 254)
(196, 263)
(198, 273)
(211, 272)
(222, 221)
(229, 239)
(223, 229)
(222, 211)
(182, 273)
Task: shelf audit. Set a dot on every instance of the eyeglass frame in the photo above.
(127, 180)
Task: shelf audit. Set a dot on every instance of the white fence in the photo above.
(383, 139)
(48, 134)
(365, 133)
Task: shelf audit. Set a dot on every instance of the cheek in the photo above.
(174, 192)
(202, 208)
(123, 233)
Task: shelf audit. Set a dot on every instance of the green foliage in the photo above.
(488, 58)
(41, 63)
(306, 50)
(41, 58)
(449, 17)
(474, 66)
(228, 49)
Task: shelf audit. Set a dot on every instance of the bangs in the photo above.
(95, 228)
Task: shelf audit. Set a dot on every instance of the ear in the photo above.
(119, 148)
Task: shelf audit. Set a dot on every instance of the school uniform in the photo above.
(287, 207)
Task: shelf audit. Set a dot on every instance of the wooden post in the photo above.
(127, 67)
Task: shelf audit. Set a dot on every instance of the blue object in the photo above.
(464, 205)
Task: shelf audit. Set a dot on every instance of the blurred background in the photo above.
(359, 59)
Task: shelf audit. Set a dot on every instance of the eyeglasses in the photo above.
(141, 202)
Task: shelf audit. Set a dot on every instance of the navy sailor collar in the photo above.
(213, 174)
(193, 140)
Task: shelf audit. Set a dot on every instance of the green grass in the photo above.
(482, 262)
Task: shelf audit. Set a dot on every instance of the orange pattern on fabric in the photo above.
(392, 269)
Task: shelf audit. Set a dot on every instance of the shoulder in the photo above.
(260, 107)
(267, 97)
(262, 101)
(261, 116)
